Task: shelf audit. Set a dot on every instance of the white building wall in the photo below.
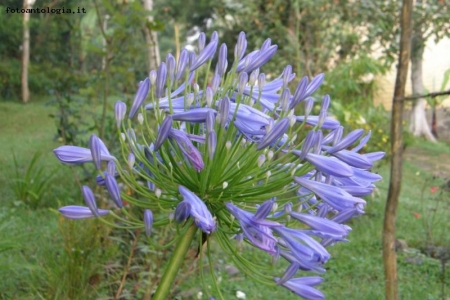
(436, 62)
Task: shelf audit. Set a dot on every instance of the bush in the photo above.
(30, 184)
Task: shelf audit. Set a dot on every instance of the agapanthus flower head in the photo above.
(235, 160)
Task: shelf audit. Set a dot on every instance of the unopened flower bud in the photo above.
(201, 41)
(120, 109)
(261, 81)
(243, 79)
(152, 77)
(286, 75)
(130, 160)
(196, 88)
(215, 82)
(189, 99)
(170, 62)
(140, 118)
(292, 121)
(274, 207)
(253, 77)
(148, 221)
(209, 96)
(261, 160)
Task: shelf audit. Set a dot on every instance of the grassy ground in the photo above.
(33, 264)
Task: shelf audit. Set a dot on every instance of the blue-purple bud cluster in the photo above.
(242, 157)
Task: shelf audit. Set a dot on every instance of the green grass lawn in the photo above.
(34, 248)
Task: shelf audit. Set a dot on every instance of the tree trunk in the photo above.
(151, 38)
(25, 53)
(390, 214)
(419, 125)
(434, 121)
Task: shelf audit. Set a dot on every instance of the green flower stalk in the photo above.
(227, 160)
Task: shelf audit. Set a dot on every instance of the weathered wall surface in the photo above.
(436, 62)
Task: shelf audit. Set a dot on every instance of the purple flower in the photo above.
(373, 156)
(224, 109)
(347, 141)
(188, 149)
(95, 146)
(303, 247)
(284, 99)
(325, 103)
(308, 143)
(152, 77)
(141, 94)
(253, 77)
(326, 164)
(79, 155)
(113, 189)
(314, 85)
(120, 109)
(163, 132)
(289, 273)
(357, 191)
(182, 62)
(309, 103)
(321, 224)
(240, 47)
(212, 144)
(362, 142)
(201, 41)
(261, 81)
(243, 79)
(76, 212)
(209, 95)
(89, 198)
(353, 159)
(207, 53)
(303, 287)
(257, 59)
(222, 63)
(266, 44)
(257, 229)
(300, 92)
(198, 211)
(328, 123)
(286, 75)
(210, 120)
(215, 82)
(161, 77)
(111, 168)
(277, 131)
(148, 222)
(170, 63)
(197, 115)
(332, 195)
(182, 211)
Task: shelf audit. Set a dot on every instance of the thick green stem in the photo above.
(175, 263)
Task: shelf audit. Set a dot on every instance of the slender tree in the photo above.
(389, 255)
(26, 50)
(151, 38)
